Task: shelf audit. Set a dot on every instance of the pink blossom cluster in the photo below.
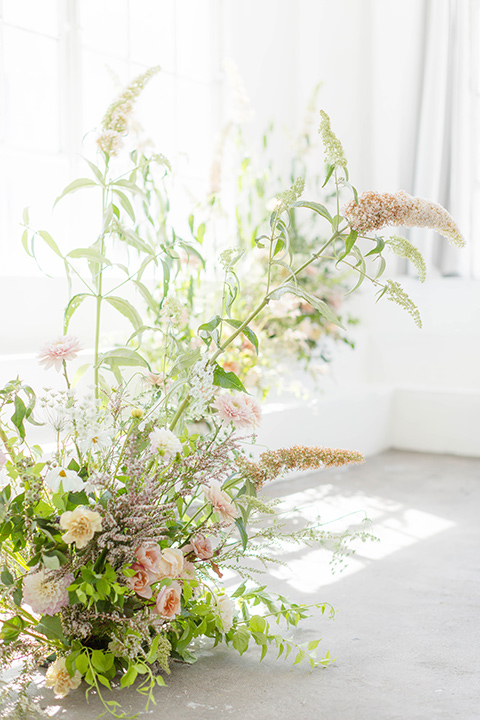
(240, 409)
(377, 210)
(154, 564)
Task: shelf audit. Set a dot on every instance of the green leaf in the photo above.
(82, 664)
(51, 627)
(125, 203)
(315, 302)
(241, 639)
(51, 562)
(126, 309)
(19, 416)
(185, 361)
(12, 628)
(378, 247)
(330, 169)
(50, 242)
(6, 577)
(79, 373)
(240, 590)
(129, 677)
(209, 330)
(89, 253)
(316, 207)
(25, 243)
(96, 171)
(349, 243)
(227, 380)
(123, 356)
(249, 334)
(72, 306)
(243, 533)
(146, 294)
(76, 185)
(257, 624)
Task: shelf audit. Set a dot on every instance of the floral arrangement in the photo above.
(293, 334)
(115, 538)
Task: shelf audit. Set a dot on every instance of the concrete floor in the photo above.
(406, 635)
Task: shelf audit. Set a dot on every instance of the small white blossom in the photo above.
(201, 388)
(69, 480)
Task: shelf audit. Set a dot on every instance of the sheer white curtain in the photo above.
(443, 165)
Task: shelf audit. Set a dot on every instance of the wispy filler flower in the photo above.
(404, 248)
(377, 210)
(286, 199)
(274, 463)
(115, 121)
(394, 292)
(54, 353)
(334, 153)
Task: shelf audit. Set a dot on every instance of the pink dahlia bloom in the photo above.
(240, 409)
(54, 353)
(46, 591)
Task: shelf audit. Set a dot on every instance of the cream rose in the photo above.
(168, 603)
(81, 525)
(170, 564)
(141, 581)
(149, 556)
(227, 610)
(59, 679)
(221, 502)
(202, 547)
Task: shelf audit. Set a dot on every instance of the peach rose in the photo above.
(170, 564)
(168, 603)
(202, 547)
(141, 581)
(149, 556)
(220, 502)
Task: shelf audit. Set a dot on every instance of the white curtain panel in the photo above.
(444, 143)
